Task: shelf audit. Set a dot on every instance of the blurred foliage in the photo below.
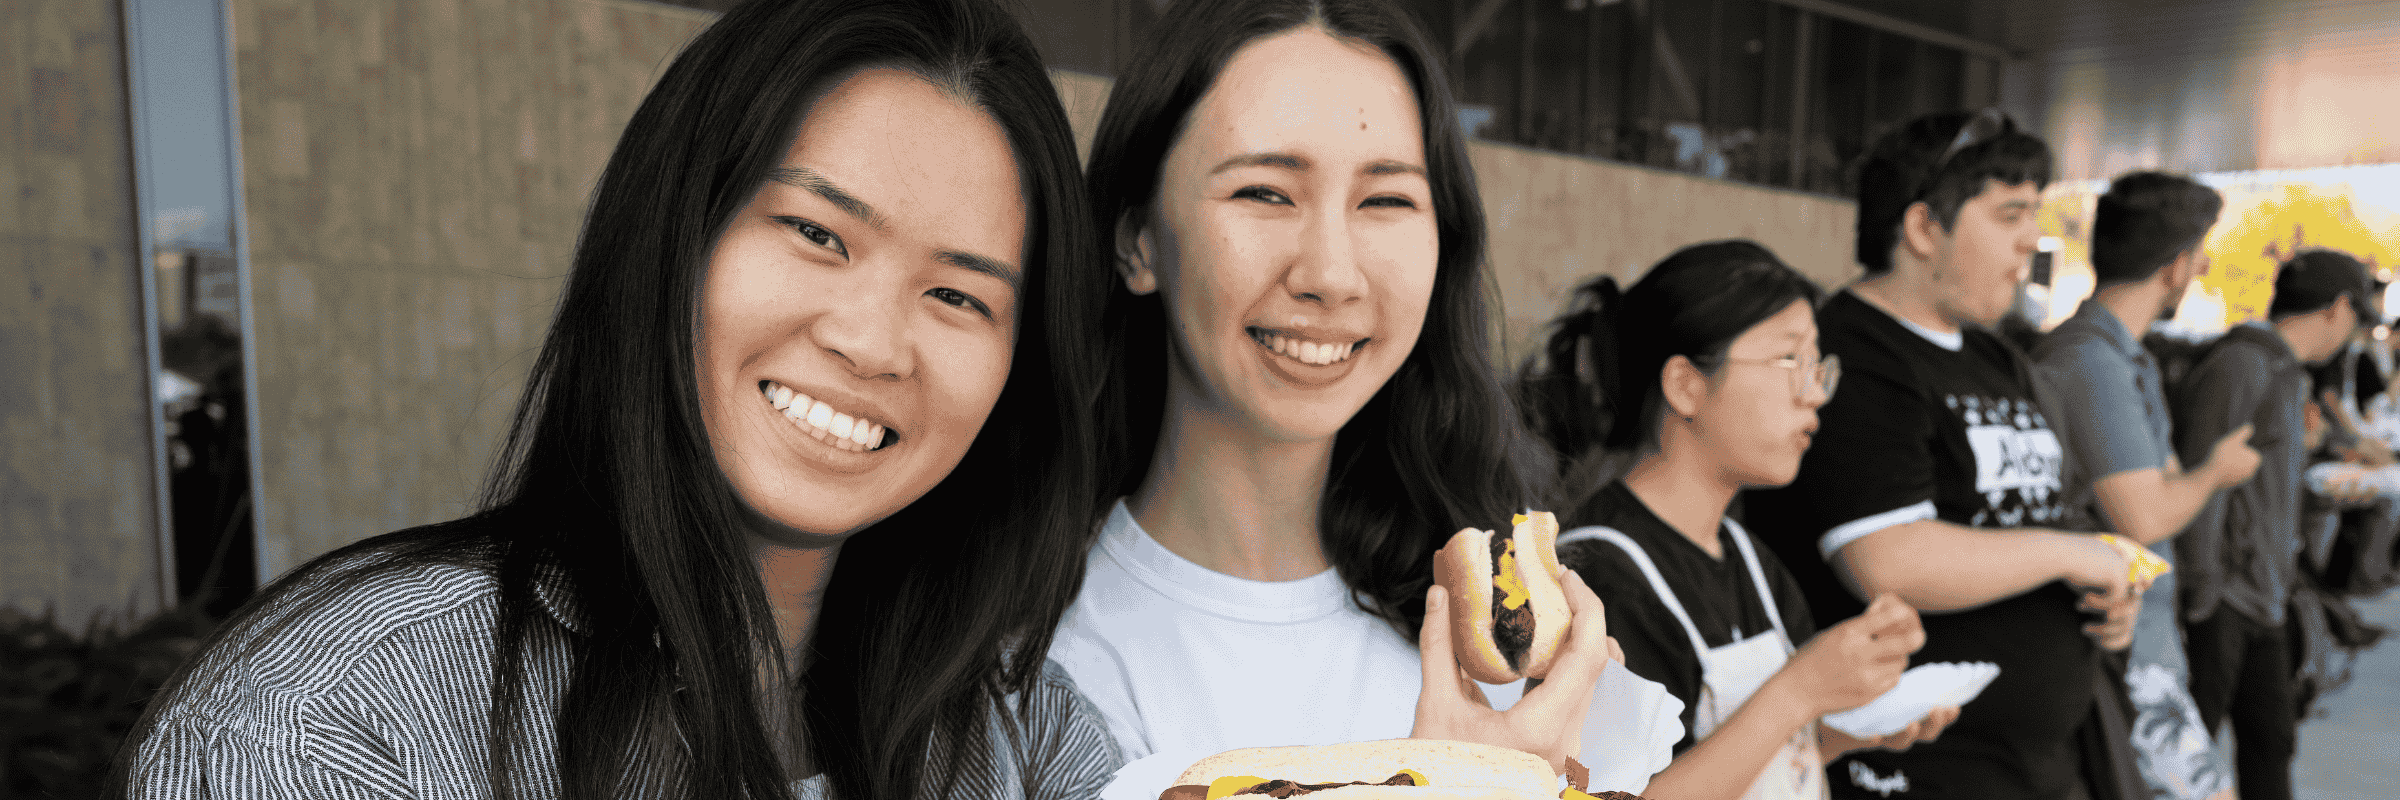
(67, 701)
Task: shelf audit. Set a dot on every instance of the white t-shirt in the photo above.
(1187, 661)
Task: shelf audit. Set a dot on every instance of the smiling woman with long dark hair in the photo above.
(1301, 408)
(797, 489)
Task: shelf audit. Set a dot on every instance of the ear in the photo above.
(1921, 233)
(1683, 385)
(1134, 251)
(2188, 266)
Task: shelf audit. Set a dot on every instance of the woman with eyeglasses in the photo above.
(1703, 380)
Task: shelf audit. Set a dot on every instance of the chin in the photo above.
(1769, 476)
(806, 522)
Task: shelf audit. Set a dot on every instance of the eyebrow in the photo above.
(1278, 160)
(805, 178)
(1299, 163)
(988, 266)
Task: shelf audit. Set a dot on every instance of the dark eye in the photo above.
(1388, 201)
(954, 297)
(815, 233)
(1261, 194)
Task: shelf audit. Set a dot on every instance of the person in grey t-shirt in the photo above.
(2111, 412)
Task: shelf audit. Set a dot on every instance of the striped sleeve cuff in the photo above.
(1856, 529)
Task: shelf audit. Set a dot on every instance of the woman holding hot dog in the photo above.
(1301, 405)
(1705, 378)
(752, 535)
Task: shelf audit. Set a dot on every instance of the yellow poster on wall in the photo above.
(2265, 224)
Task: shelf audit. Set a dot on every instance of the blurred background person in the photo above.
(2238, 557)
(2110, 409)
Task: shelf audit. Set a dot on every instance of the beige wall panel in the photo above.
(416, 174)
(78, 513)
(1556, 220)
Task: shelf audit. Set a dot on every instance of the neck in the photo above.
(2296, 337)
(1687, 493)
(795, 579)
(1904, 291)
(1229, 499)
(2135, 305)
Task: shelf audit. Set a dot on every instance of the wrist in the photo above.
(2075, 551)
(1790, 704)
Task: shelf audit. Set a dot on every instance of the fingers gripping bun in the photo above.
(1507, 619)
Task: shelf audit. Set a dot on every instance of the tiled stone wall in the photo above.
(416, 175)
(78, 514)
(1557, 220)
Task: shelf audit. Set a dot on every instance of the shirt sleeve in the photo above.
(1871, 465)
(189, 755)
(1069, 754)
(1098, 674)
(2093, 390)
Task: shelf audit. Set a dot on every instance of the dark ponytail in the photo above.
(1572, 404)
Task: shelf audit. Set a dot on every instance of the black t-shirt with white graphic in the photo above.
(1915, 423)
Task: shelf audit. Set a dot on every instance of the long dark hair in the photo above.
(607, 476)
(1594, 392)
(1429, 452)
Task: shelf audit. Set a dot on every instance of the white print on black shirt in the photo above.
(2015, 453)
(1864, 778)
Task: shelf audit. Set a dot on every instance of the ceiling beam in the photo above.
(1914, 30)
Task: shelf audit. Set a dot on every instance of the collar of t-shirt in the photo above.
(1186, 582)
(2104, 322)
(1953, 341)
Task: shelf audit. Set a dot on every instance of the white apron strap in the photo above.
(1758, 580)
(1658, 583)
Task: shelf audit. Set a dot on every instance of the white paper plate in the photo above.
(1921, 690)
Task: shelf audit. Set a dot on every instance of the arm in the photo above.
(1940, 566)
(2151, 505)
(2104, 421)
(1073, 754)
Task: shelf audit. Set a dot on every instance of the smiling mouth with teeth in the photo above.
(1305, 351)
(829, 426)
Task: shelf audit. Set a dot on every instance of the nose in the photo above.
(1326, 269)
(867, 330)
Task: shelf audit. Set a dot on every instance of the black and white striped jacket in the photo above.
(386, 694)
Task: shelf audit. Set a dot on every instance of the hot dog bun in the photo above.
(1464, 567)
(1450, 769)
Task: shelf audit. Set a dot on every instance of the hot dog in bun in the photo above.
(1508, 614)
(1415, 769)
